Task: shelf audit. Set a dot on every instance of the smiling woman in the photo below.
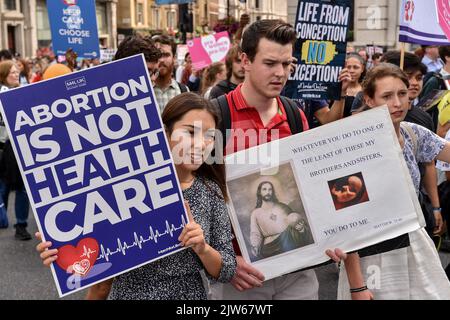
(207, 236)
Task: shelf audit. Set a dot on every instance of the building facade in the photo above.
(257, 9)
(376, 22)
(25, 27)
(145, 17)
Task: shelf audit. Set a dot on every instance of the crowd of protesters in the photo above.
(246, 92)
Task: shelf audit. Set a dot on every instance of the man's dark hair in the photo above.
(259, 197)
(5, 55)
(412, 62)
(444, 51)
(162, 39)
(376, 55)
(274, 30)
(136, 44)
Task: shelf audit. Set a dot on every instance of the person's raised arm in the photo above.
(336, 112)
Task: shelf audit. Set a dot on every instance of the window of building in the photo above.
(10, 5)
(171, 19)
(257, 4)
(42, 24)
(139, 13)
(156, 19)
(102, 23)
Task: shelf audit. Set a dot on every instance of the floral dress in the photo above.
(414, 271)
(178, 276)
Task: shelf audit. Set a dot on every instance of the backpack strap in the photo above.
(293, 115)
(411, 134)
(183, 88)
(221, 104)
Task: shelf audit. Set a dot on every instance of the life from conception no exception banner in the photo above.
(320, 49)
(98, 171)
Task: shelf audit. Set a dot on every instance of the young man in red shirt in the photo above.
(258, 115)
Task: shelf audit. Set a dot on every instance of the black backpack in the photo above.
(183, 88)
(292, 113)
(436, 75)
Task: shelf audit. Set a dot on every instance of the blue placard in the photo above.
(320, 49)
(98, 171)
(73, 25)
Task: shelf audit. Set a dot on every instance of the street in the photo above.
(23, 276)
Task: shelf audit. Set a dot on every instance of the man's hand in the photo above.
(246, 276)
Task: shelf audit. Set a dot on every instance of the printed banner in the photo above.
(97, 169)
(419, 23)
(209, 49)
(320, 49)
(73, 25)
(344, 185)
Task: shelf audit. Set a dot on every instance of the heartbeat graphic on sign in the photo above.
(139, 240)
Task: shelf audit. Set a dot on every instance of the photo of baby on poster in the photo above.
(344, 185)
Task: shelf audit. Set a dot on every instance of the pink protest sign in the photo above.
(443, 13)
(209, 49)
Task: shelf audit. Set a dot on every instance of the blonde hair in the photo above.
(210, 74)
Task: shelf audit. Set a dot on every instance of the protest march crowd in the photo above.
(249, 84)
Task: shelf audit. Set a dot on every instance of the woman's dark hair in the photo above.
(383, 70)
(274, 30)
(137, 44)
(175, 111)
(361, 60)
(412, 62)
(26, 68)
(166, 40)
(444, 51)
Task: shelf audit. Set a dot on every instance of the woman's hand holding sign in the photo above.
(192, 234)
(48, 256)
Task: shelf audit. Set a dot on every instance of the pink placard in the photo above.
(443, 13)
(209, 49)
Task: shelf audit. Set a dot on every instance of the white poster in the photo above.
(344, 185)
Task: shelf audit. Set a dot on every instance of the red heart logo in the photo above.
(79, 259)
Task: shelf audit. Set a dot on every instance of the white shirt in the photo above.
(432, 65)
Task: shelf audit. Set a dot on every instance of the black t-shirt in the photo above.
(420, 117)
(223, 87)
